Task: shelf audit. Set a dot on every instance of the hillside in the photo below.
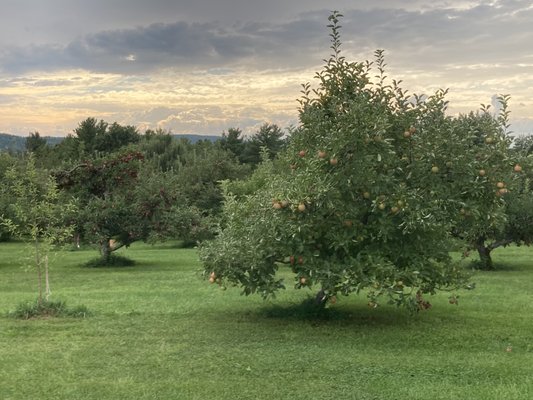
(16, 143)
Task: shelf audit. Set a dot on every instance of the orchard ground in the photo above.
(159, 331)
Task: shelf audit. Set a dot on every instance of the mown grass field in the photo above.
(159, 332)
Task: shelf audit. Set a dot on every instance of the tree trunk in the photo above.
(484, 255)
(321, 298)
(39, 273)
(105, 251)
(46, 280)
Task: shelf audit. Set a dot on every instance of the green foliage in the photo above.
(162, 150)
(487, 225)
(123, 201)
(373, 183)
(233, 142)
(99, 136)
(201, 172)
(268, 137)
(6, 197)
(35, 142)
(40, 216)
(48, 308)
(523, 145)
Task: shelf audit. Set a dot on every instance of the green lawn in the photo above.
(160, 332)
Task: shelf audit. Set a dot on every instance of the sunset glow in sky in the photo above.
(208, 65)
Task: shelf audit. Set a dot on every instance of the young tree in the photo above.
(40, 217)
(364, 197)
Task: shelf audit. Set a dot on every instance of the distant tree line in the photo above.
(130, 186)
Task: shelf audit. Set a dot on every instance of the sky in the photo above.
(205, 66)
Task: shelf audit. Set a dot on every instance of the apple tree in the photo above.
(364, 197)
(122, 202)
(487, 224)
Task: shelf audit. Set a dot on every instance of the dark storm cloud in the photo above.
(179, 44)
(483, 34)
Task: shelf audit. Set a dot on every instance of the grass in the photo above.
(157, 331)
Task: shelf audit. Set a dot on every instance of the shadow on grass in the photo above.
(499, 266)
(113, 262)
(346, 315)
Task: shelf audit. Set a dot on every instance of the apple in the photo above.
(434, 169)
(284, 203)
(482, 172)
(412, 129)
(500, 185)
(407, 134)
(489, 140)
(366, 195)
(333, 299)
(502, 191)
(449, 164)
(381, 206)
(517, 168)
(333, 161)
(303, 281)
(301, 207)
(291, 260)
(321, 154)
(300, 260)
(400, 203)
(394, 209)
(302, 153)
(277, 205)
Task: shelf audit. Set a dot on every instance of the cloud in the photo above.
(177, 45)
(484, 33)
(203, 72)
